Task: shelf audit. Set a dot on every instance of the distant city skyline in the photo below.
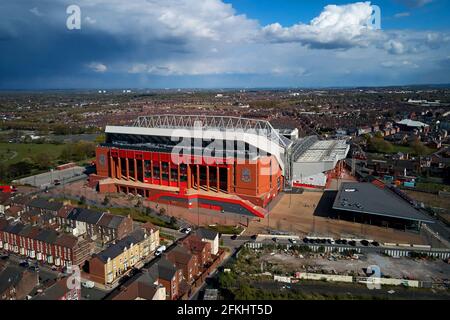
(223, 44)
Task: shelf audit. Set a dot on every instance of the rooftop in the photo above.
(206, 233)
(324, 150)
(85, 215)
(368, 198)
(116, 249)
(205, 122)
(412, 123)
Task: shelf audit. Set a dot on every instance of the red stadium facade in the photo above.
(140, 160)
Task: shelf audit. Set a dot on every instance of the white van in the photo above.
(160, 250)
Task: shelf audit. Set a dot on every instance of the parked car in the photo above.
(24, 264)
(293, 241)
(365, 243)
(88, 284)
(34, 268)
(234, 237)
(186, 230)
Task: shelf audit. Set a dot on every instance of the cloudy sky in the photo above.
(223, 43)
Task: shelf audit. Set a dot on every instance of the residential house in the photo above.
(186, 261)
(112, 263)
(168, 275)
(201, 249)
(210, 236)
(144, 287)
(45, 245)
(16, 283)
(60, 290)
(82, 221)
(101, 226)
(44, 206)
(5, 201)
(111, 227)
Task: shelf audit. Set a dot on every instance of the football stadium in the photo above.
(222, 163)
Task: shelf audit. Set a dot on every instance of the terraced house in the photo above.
(98, 226)
(112, 263)
(44, 245)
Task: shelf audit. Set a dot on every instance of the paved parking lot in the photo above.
(47, 179)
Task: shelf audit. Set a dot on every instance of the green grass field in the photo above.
(15, 152)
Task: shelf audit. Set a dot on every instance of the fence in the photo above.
(393, 251)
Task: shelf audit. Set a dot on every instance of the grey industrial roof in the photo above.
(368, 198)
(85, 215)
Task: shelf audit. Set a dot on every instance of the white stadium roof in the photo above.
(325, 150)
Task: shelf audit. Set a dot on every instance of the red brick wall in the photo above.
(102, 161)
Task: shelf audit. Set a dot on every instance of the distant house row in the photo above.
(45, 245)
(97, 226)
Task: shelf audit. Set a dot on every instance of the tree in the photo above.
(106, 201)
(100, 138)
(42, 160)
(82, 200)
(380, 145)
(173, 221)
(419, 148)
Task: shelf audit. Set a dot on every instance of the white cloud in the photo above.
(402, 14)
(97, 67)
(394, 47)
(336, 27)
(90, 20)
(36, 12)
(415, 3)
(208, 37)
(400, 63)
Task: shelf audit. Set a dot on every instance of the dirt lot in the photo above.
(424, 270)
(430, 199)
(295, 213)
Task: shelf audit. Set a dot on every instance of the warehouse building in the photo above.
(378, 204)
